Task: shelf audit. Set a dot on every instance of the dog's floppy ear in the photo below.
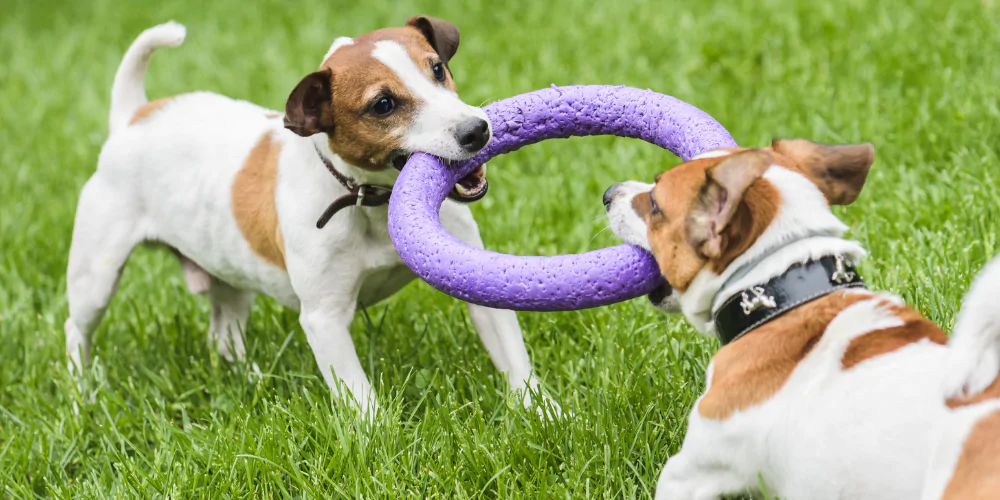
(839, 171)
(308, 110)
(442, 35)
(720, 196)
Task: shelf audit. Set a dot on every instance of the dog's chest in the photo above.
(381, 283)
(383, 272)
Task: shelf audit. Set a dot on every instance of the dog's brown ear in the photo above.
(720, 196)
(839, 171)
(442, 35)
(308, 110)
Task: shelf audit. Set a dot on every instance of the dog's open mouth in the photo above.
(470, 188)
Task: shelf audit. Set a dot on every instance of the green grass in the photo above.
(920, 80)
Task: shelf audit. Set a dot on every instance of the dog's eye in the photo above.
(438, 70)
(383, 106)
(654, 209)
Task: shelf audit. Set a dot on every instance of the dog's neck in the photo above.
(805, 229)
(320, 142)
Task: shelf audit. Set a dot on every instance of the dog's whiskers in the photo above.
(606, 228)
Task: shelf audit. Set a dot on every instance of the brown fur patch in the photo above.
(750, 370)
(676, 192)
(977, 474)
(253, 201)
(839, 170)
(876, 343)
(360, 137)
(148, 109)
(754, 215)
(641, 205)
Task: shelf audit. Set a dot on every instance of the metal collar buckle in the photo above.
(361, 195)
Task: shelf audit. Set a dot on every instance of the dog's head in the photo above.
(703, 214)
(386, 94)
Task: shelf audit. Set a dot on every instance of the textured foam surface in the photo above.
(564, 282)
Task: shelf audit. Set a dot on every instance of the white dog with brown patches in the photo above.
(236, 191)
(822, 389)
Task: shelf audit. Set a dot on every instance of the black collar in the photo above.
(801, 283)
(368, 195)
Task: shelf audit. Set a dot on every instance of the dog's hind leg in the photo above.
(716, 459)
(230, 311)
(104, 234)
(198, 280)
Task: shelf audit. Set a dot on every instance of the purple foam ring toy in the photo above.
(564, 282)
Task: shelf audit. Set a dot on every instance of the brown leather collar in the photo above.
(361, 195)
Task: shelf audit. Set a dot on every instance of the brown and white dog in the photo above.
(236, 190)
(840, 392)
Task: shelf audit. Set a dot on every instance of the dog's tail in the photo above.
(128, 93)
(975, 343)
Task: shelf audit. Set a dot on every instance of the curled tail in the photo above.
(128, 93)
(975, 343)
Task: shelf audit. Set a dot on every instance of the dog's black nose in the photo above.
(609, 196)
(473, 134)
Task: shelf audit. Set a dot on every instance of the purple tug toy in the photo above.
(564, 282)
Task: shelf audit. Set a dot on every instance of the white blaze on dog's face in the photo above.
(386, 94)
(705, 213)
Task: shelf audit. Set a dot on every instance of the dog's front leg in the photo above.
(326, 278)
(712, 462)
(497, 328)
(686, 478)
(327, 326)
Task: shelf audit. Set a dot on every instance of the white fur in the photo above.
(128, 92)
(622, 217)
(976, 340)
(338, 43)
(433, 131)
(715, 153)
(169, 178)
(829, 433)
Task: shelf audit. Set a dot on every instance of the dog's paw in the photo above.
(87, 381)
(688, 479)
(543, 404)
(685, 491)
(364, 404)
(254, 373)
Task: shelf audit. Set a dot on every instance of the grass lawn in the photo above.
(172, 419)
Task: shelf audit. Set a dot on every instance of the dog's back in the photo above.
(172, 167)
